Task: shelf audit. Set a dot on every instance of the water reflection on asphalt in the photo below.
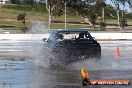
(14, 74)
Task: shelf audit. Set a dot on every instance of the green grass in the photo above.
(7, 23)
(69, 18)
(6, 13)
(16, 9)
(69, 26)
(15, 24)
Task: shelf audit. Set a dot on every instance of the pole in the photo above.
(103, 14)
(65, 15)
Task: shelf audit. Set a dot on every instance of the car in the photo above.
(72, 45)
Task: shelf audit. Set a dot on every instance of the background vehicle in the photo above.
(72, 45)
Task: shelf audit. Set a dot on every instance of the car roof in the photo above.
(71, 31)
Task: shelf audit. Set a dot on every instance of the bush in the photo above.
(24, 29)
(15, 1)
(123, 22)
(102, 26)
(21, 16)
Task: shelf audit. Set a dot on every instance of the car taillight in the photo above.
(98, 47)
(59, 49)
(95, 48)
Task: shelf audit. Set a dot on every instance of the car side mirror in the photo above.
(44, 39)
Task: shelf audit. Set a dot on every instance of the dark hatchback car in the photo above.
(72, 45)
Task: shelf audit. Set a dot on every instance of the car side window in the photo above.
(51, 38)
(84, 35)
(87, 35)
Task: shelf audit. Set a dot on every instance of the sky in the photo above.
(126, 7)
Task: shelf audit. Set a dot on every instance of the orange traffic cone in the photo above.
(117, 53)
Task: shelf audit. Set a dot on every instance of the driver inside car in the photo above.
(81, 35)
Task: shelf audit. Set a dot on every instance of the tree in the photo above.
(130, 3)
(117, 4)
(22, 17)
(123, 20)
(86, 9)
(15, 1)
(54, 7)
(101, 4)
(28, 2)
(119, 15)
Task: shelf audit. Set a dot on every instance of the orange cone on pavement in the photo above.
(117, 53)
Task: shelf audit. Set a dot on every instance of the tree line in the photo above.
(23, 2)
(89, 10)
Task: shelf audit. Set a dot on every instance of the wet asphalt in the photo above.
(22, 66)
